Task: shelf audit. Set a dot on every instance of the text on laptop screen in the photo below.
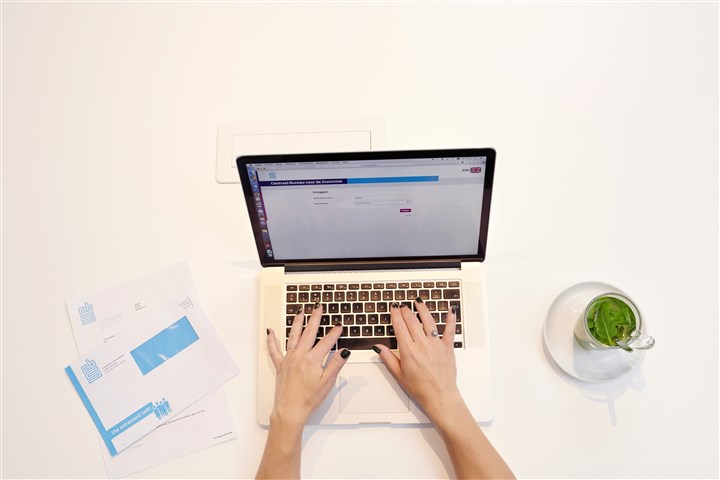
(424, 207)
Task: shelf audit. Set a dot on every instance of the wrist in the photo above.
(289, 424)
(447, 410)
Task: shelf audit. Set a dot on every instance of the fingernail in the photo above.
(453, 309)
(337, 323)
(299, 309)
(267, 330)
(376, 349)
(317, 305)
(345, 353)
(419, 300)
(395, 305)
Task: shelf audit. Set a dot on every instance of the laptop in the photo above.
(357, 232)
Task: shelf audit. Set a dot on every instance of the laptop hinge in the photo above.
(371, 265)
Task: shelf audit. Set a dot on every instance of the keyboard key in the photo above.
(339, 296)
(379, 331)
(385, 319)
(351, 297)
(412, 293)
(292, 308)
(424, 294)
(442, 306)
(369, 307)
(348, 319)
(428, 284)
(345, 308)
(453, 284)
(451, 294)
(357, 307)
(325, 320)
(457, 345)
(316, 288)
(399, 294)
(354, 331)
(375, 295)
(329, 287)
(367, 331)
(327, 297)
(291, 288)
(387, 295)
(381, 307)
(403, 285)
(334, 308)
(363, 295)
(415, 285)
(289, 321)
(335, 319)
(436, 294)
(366, 343)
(391, 285)
(366, 286)
(315, 297)
(430, 304)
(353, 286)
(441, 284)
(373, 318)
(361, 319)
(291, 297)
(304, 288)
(304, 297)
(340, 286)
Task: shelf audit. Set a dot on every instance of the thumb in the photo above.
(335, 364)
(391, 361)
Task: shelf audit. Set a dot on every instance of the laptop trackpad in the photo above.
(370, 388)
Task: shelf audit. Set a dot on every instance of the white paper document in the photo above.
(100, 317)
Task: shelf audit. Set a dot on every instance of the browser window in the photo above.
(369, 208)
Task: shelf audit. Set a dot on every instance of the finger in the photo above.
(273, 349)
(327, 342)
(390, 360)
(401, 331)
(334, 365)
(450, 321)
(307, 340)
(413, 324)
(296, 329)
(428, 322)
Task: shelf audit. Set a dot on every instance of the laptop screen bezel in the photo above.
(265, 261)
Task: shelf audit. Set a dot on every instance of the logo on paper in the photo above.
(91, 370)
(87, 314)
(162, 409)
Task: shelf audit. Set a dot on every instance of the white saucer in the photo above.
(580, 363)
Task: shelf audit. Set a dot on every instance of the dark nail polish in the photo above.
(299, 309)
(454, 309)
(317, 305)
(419, 300)
(267, 330)
(345, 353)
(337, 323)
(376, 349)
(395, 305)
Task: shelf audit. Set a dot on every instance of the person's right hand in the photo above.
(425, 367)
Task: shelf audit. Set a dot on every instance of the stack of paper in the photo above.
(150, 370)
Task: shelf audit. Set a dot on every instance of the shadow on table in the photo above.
(603, 392)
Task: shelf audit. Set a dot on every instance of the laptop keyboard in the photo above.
(364, 308)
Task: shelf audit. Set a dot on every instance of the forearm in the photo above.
(281, 458)
(471, 453)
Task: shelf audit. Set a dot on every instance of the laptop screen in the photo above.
(369, 205)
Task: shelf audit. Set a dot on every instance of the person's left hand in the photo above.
(302, 382)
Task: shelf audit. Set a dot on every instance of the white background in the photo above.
(605, 119)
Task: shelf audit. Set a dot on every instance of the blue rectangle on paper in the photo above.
(165, 345)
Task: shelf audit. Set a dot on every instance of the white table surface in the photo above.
(605, 119)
